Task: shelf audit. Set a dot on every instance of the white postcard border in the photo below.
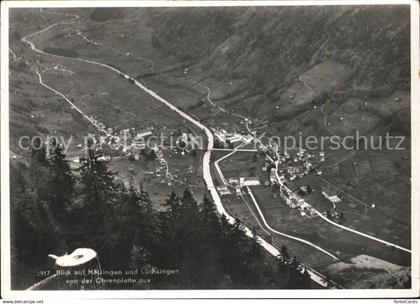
(114, 294)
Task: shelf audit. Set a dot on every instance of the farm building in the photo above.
(143, 133)
(332, 197)
(233, 181)
(251, 181)
(223, 190)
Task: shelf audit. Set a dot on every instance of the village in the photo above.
(144, 144)
(278, 170)
(225, 139)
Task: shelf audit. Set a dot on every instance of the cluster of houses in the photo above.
(226, 139)
(128, 140)
(99, 125)
(187, 143)
(280, 168)
(294, 201)
(163, 176)
(291, 167)
(332, 213)
(331, 196)
(238, 184)
(162, 170)
(224, 190)
(133, 142)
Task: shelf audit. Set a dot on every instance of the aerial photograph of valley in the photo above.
(210, 147)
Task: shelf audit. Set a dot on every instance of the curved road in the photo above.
(322, 108)
(210, 144)
(325, 120)
(338, 225)
(208, 95)
(124, 53)
(320, 214)
(361, 233)
(206, 158)
(307, 86)
(69, 101)
(219, 171)
(284, 234)
(215, 105)
(216, 163)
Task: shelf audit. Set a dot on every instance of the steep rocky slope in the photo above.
(271, 47)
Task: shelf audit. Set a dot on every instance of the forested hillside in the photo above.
(56, 210)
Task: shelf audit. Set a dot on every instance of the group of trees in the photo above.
(56, 209)
(295, 274)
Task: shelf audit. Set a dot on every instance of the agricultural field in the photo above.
(376, 197)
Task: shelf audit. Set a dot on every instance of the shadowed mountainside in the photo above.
(271, 47)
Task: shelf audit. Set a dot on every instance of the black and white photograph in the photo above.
(245, 149)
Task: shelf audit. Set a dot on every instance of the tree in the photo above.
(123, 227)
(134, 228)
(327, 280)
(210, 231)
(94, 219)
(38, 153)
(329, 216)
(294, 274)
(167, 229)
(60, 184)
(299, 277)
(281, 264)
(341, 217)
(210, 222)
(284, 252)
(239, 254)
(181, 239)
(306, 280)
(190, 238)
(407, 283)
(33, 228)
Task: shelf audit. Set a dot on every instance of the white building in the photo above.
(142, 134)
(235, 138)
(233, 180)
(331, 196)
(223, 190)
(221, 137)
(251, 181)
